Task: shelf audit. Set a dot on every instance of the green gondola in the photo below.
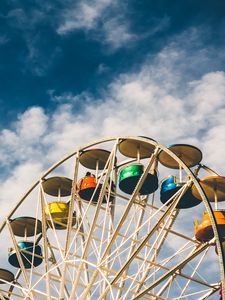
(130, 175)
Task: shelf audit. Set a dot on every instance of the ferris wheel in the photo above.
(121, 218)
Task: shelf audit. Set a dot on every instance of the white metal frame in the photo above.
(114, 253)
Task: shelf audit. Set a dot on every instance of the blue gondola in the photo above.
(169, 188)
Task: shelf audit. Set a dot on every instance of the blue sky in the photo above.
(76, 71)
(51, 48)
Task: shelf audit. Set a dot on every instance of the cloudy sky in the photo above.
(76, 71)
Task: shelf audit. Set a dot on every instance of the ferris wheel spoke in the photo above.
(22, 292)
(170, 209)
(107, 229)
(172, 270)
(83, 227)
(192, 294)
(123, 218)
(209, 293)
(51, 222)
(167, 286)
(54, 261)
(12, 286)
(168, 226)
(19, 257)
(134, 233)
(85, 264)
(109, 164)
(133, 244)
(69, 226)
(181, 274)
(107, 232)
(45, 244)
(157, 244)
(194, 271)
(115, 255)
(148, 222)
(144, 268)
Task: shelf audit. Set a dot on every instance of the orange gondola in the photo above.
(88, 189)
(204, 231)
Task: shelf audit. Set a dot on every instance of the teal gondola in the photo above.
(26, 252)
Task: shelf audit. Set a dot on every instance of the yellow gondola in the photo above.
(57, 212)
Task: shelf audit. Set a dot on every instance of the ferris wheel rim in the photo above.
(161, 148)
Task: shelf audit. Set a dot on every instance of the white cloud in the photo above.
(22, 142)
(84, 15)
(107, 21)
(117, 33)
(20, 179)
(69, 97)
(32, 124)
(104, 20)
(154, 101)
(207, 93)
